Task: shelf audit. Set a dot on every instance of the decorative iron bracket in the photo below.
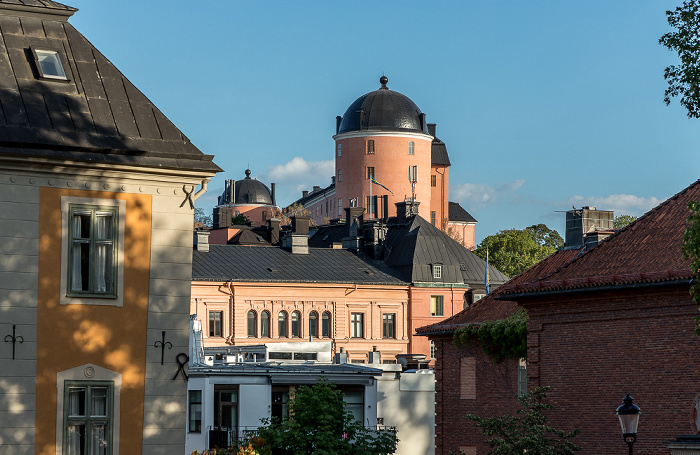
(181, 363)
(163, 344)
(13, 339)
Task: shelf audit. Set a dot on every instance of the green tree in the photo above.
(621, 221)
(240, 220)
(527, 432)
(684, 79)
(319, 424)
(513, 251)
(691, 250)
(545, 236)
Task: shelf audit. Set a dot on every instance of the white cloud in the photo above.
(621, 204)
(479, 194)
(300, 173)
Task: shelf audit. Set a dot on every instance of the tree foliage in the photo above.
(684, 79)
(503, 339)
(691, 250)
(513, 251)
(201, 219)
(621, 221)
(240, 220)
(319, 424)
(527, 432)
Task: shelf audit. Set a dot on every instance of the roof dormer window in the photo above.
(49, 64)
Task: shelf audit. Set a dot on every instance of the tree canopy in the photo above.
(684, 79)
(201, 219)
(621, 221)
(513, 251)
(527, 432)
(318, 424)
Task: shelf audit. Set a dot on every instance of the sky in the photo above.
(543, 105)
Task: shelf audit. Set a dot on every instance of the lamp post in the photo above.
(629, 418)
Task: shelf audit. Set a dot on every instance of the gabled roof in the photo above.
(275, 265)
(455, 212)
(491, 308)
(646, 251)
(96, 116)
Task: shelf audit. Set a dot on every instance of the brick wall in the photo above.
(492, 390)
(592, 348)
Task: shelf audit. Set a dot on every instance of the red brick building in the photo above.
(619, 318)
(467, 380)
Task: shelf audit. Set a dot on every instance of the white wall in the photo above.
(409, 405)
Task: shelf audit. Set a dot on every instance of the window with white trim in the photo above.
(411, 148)
(49, 64)
(92, 251)
(88, 418)
(93, 244)
(437, 271)
(357, 325)
(339, 149)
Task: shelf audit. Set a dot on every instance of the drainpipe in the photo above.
(202, 190)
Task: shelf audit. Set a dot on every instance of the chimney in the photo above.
(341, 357)
(431, 129)
(201, 241)
(316, 189)
(423, 125)
(406, 210)
(351, 213)
(584, 221)
(375, 356)
(298, 240)
(304, 193)
(333, 179)
(338, 119)
(274, 226)
(272, 187)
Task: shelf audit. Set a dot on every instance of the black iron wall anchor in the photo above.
(163, 344)
(13, 339)
(182, 363)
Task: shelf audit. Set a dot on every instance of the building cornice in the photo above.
(375, 133)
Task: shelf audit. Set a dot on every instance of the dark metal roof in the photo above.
(416, 245)
(274, 264)
(97, 115)
(329, 190)
(413, 246)
(383, 110)
(438, 149)
(251, 191)
(455, 212)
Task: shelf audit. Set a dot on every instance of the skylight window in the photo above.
(49, 65)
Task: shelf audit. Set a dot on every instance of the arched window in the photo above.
(265, 324)
(326, 324)
(282, 326)
(313, 324)
(296, 324)
(252, 324)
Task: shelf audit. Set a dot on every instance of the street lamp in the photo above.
(629, 418)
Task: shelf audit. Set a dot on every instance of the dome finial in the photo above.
(247, 173)
(383, 80)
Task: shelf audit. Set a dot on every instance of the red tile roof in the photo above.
(646, 251)
(491, 309)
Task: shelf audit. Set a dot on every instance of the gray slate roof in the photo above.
(438, 149)
(273, 264)
(455, 212)
(95, 116)
(413, 246)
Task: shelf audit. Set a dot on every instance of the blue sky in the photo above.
(542, 104)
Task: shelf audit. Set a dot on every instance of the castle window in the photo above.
(411, 148)
(437, 271)
(388, 325)
(357, 325)
(370, 147)
(340, 176)
(437, 305)
(296, 324)
(215, 318)
(326, 325)
(370, 172)
(340, 206)
(265, 324)
(339, 149)
(313, 324)
(252, 324)
(282, 326)
(88, 417)
(433, 180)
(432, 218)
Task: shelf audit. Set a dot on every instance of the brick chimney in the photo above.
(406, 210)
(298, 241)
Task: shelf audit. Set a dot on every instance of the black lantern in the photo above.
(629, 418)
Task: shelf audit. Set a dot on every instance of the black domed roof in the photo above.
(383, 110)
(251, 191)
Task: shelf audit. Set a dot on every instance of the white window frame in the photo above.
(65, 298)
(437, 271)
(340, 207)
(88, 373)
(339, 149)
(439, 299)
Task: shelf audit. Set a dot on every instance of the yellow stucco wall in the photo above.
(110, 337)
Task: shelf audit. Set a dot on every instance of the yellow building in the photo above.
(96, 210)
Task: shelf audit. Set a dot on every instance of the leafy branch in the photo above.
(691, 250)
(502, 339)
